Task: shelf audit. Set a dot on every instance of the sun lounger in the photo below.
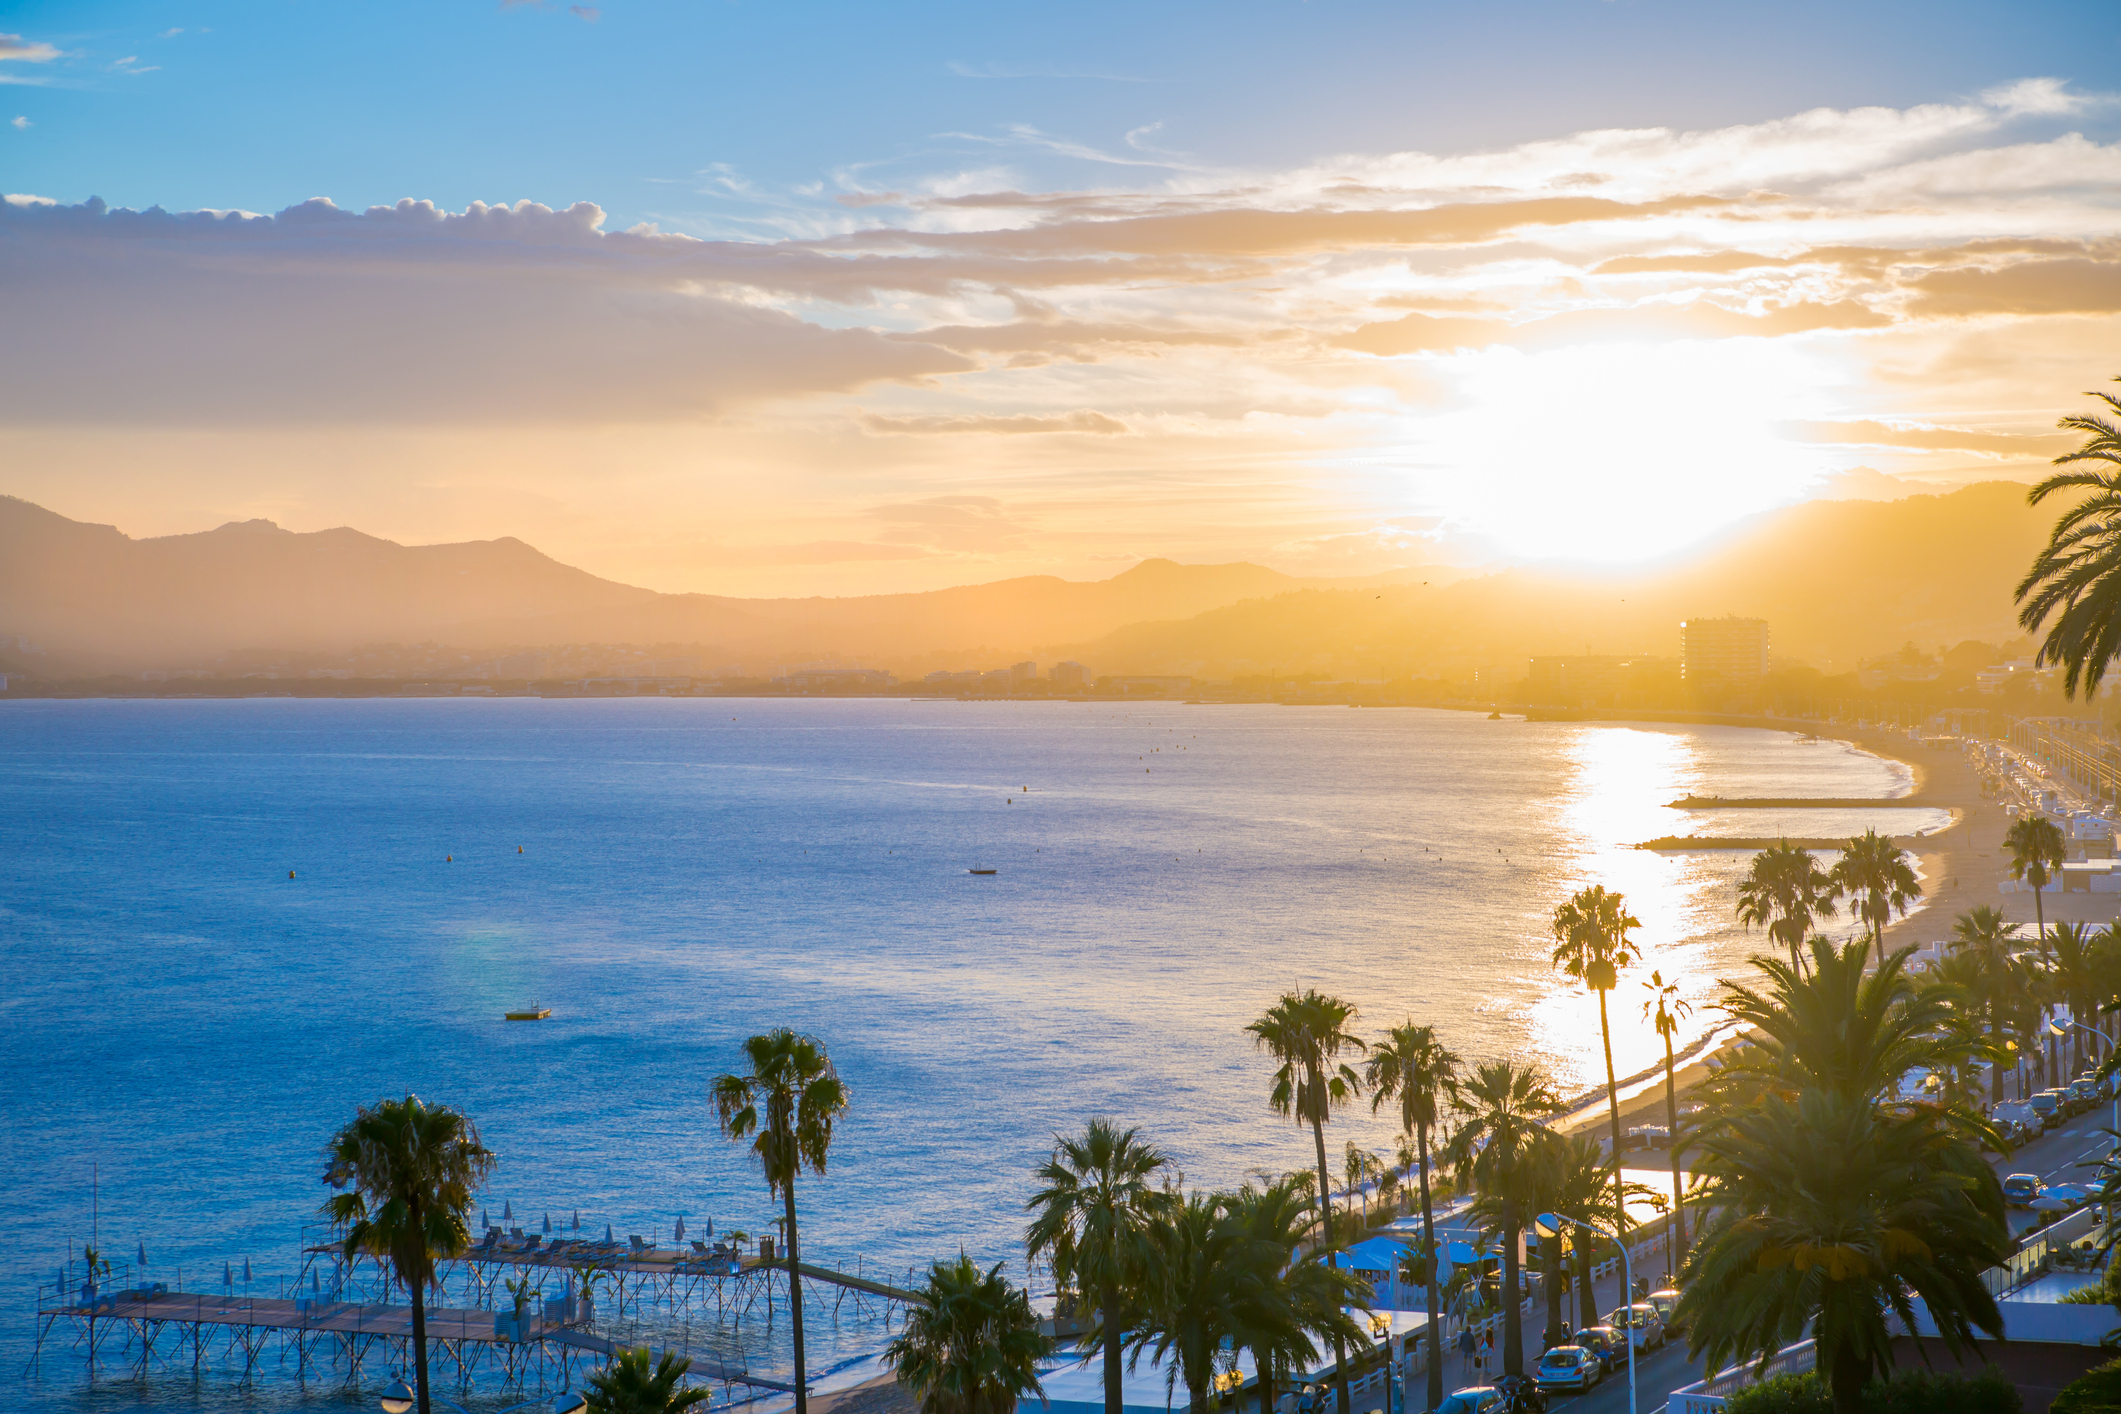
(699, 1247)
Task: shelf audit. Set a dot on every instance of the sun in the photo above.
(1618, 452)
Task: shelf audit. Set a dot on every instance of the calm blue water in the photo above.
(188, 1023)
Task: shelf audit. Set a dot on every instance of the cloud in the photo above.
(1655, 322)
(1913, 437)
(169, 33)
(1017, 425)
(19, 122)
(2076, 286)
(397, 314)
(1867, 483)
(589, 13)
(963, 524)
(25, 51)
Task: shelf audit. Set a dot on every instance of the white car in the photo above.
(1644, 1326)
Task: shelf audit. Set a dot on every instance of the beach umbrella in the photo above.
(508, 1213)
(143, 1251)
(228, 1275)
(607, 1233)
(246, 1271)
(548, 1222)
(313, 1279)
(577, 1219)
(710, 1227)
(679, 1234)
(484, 1222)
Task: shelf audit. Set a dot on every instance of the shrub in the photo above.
(2096, 1391)
(1908, 1392)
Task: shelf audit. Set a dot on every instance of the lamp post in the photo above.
(2056, 1028)
(1549, 1225)
(398, 1398)
(1381, 1327)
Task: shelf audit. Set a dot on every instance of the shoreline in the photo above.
(1946, 781)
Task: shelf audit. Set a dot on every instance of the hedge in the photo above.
(1907, 1392)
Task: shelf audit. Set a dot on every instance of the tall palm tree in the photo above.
(2035, 843)
(1877, 875)
(1784, 891)
(1591, 933)
(1280, 1216)
(973, 1347)
(1198, 1262)
(1093, 1215)
(635, 1382)
(786, 1103)
(2079, 975)
(1828, 1210)
(1308, 1032)
(1665, 1009)
(1959, 980)
(1984, 934)
(1499, 1149)
(406, 1172)
(2077, 577)
(1413, 1067)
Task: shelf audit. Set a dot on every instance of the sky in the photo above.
(795, 299)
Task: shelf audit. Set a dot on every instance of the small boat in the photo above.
(981, 869)
(533, 1012)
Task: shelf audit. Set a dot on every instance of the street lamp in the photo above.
(1381, 1327)
(2056, 1028)
(1549, 1225)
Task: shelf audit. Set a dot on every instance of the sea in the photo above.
(229, 924)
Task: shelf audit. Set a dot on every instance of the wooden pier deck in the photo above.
(274, 1313)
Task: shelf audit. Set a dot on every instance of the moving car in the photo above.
(2020, 1189)
(1640, 1321)
(1667, 1304)
(1604, 1342)
(1475, 1399)
(1569, 1367)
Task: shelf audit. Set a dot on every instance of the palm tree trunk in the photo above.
(419, 1340)
(1612, 1095)
(1557, 1281)
(1677, 1243)
(2040, 914)
(1846, 1378)
(1586, 1289)
(1428, 1239)
(1263, 1366)
(1512, 1317)
(1108, 1317)
(1995, 1066)
(1325, 1211)
(795, 1300)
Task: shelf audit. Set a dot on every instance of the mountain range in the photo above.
(1836, 579)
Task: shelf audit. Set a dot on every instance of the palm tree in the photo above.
(1093, 1215)
(2075, 577)
(1592, 932)
(1877, 875)
(2035, 843)
(1359, 1166)
(406, 1172)
(1784, 892)
(631, 1385)
(1665, 1009)
(973, 1347)
(1307, 1032)
(1984, 934)
(1959, 980)
(1498, 1149)
(790, 1099)
(1198, 1266)
(1280, 1216)
(1829, 1210)
(2078, 973)
(1414, 1068)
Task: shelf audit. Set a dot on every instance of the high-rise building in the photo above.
(1729, 650)
(1067, 674)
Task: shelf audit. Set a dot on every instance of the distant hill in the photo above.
(96, 598)
(1836, 580)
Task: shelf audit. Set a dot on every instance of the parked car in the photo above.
(1641, 1321)
(2048, 1105)
(1569, 1367)
(2016, 1119)
(2020, 1189)
(1605, 1343)
(1667, 1304)
(2084, 1092)
(1476, 1399)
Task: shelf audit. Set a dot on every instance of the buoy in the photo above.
(290, 873)
(519, 849)
(449, 859)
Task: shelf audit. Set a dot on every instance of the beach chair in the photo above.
(638, 1245)
(700, 1247)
